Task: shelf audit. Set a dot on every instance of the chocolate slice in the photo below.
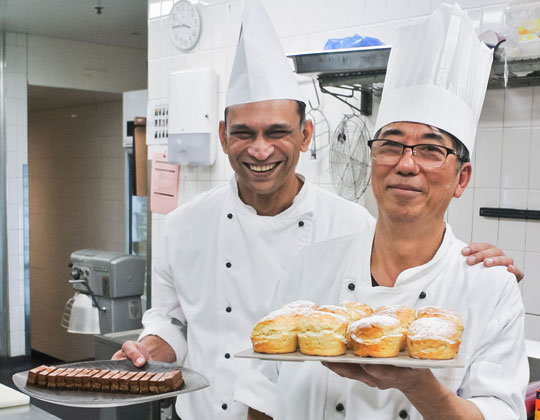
(114, 380)
(170, 381)
(61, 378)
(97, 379)
(123, 382)
(70, 378)
(78, 378)
(134, 382)
(143, 383)
(32, 374)
(106, 380)
(153, 387)
(87, 379)
(42, 376)
(51, 378)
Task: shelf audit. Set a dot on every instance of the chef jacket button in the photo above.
(351, 286)
(403, 414)
(229, 215)
(339, 407)
(227, 356)
(224, 406)
(228, 264)
(422, 295)
(228, 309)
(300, 223)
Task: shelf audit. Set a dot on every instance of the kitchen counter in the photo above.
(25, 412)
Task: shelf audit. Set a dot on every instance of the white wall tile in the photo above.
(485, 229)
(518, 107)
(460, 215)
(512, 231)
(492, 18)
(515, 158)
(398, 9)
(420, 7)
(534, 172)
(532, 238)
(532, 327)
(488, 158)
(531, 283)
(375, 11)
(154, 9)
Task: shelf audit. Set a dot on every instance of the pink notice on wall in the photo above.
(164, 184)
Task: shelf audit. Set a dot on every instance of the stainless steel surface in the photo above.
(354, 60)
(401, 360)
(25, 412)
(193, 381)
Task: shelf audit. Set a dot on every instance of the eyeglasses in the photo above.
(389, 152)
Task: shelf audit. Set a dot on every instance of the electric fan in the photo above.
(350, 158)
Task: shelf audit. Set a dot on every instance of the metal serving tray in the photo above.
(401, 360)
(350, 60)
(193, 381)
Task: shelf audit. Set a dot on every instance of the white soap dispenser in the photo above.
(193, 117)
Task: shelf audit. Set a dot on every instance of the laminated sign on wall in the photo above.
(164, 184)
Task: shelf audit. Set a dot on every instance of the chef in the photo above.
(419, 163)
(223, 252)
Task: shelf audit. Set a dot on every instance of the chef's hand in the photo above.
(477, 252)
(150, 347)
(420, 386)
(380, 376)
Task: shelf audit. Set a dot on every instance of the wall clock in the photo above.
(185, 25)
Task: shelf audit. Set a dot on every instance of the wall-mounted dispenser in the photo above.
(192, 117)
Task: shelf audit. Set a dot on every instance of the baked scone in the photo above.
(362, 307)
(433, 338)
(435, 311)
(348, 313)
(276, 333)
(405, 314)
(377, 336)
(301, 304)
(322, 334)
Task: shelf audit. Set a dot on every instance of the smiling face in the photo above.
(263, 141)
(408, 192)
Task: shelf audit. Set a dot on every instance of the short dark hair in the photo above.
(301, 112)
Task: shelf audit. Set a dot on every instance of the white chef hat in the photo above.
(437, 74)
(260, 71)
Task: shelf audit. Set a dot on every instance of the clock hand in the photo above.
(182, 25)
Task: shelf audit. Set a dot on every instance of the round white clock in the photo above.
(185, 25)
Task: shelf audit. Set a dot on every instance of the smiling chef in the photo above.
(433, 93)
(222, 253)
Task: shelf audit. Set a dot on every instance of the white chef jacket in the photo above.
(214, 278)
(496, 371)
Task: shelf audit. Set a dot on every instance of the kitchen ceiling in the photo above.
(120, 23)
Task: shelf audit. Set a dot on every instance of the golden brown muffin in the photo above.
(405, 314)
(276, 333)
(301, 305)
(322, 334)
(349, 313)
(435, 311)
(433, 338)
(362, 307)
(377, 336)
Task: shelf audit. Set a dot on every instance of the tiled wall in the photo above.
(508, 146)
(76, 173)
(16, 135)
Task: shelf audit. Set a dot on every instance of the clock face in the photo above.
(185, 25)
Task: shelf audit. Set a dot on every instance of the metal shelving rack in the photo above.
(341, 73)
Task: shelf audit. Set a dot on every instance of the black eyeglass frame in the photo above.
(405, 146)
